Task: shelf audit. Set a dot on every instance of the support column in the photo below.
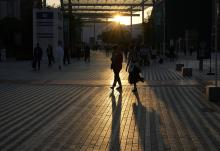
(213, 92)
(216, 41)
(142, 11)
(94, 31)
(164, 27)
(143, 20)
(106, 22)
(82, 34)
(187, 41)
(70, 23)
(61, 3)
(44, 3)
(131, 22)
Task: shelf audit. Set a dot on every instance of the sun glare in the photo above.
(126, 20)
(121, 20)
(54, 3)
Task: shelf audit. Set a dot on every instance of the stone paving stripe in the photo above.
(194, 121)
(42, 116)
(210, 131)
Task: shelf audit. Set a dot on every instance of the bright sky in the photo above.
(53, 2)
(126, 20)
(123, 20)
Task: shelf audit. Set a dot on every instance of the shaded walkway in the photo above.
(161, 116)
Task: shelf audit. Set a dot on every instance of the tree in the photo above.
(116, 35)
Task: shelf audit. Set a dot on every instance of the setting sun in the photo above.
(121, 20)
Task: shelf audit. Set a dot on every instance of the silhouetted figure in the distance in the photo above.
(107, 50)
(60, 54)
(50, 55)
(125, 51)
(172, 53)
(87, 53)
(66, 55)
(116, 66)
(3, 53)
(144, 55)
(78, 52)
(191, 49)
(37, 57)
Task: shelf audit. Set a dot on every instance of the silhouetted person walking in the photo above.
(87, 53)
(66, 55)
(116, 66)
(172, 53)
(3, 54)
(50, 55)
(134, 70)
(37, 57)
(107, 50)
(60, 54)
(78, 51)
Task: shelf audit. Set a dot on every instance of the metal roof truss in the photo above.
(104, 8)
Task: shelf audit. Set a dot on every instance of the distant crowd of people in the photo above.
(61, 55)
(2, 53)
(142, 52)
(135, 55)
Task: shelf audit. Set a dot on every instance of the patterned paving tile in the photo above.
(75, 110)
(44, 117)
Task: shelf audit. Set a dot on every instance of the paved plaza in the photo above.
(75, 110)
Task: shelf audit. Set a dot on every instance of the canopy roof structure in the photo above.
(103, 9)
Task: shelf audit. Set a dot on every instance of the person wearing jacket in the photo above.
(49, 54)
(116, 66)
(37, 57)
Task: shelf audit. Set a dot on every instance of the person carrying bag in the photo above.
(134, 71)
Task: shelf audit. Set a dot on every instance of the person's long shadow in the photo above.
(148, 132)
(116, 118)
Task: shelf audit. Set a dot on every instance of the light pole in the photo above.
(214, 91)
(212, 48)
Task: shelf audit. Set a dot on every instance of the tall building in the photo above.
(10, 8)
(18, 15)
(214, 23)
(27, 26)
(183, 17)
